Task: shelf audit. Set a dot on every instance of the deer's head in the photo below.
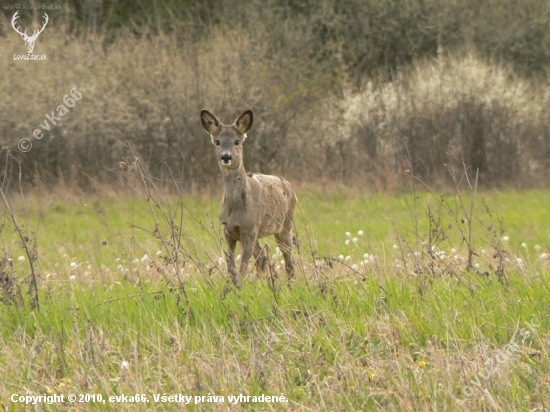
(227, 139)
(29, 40)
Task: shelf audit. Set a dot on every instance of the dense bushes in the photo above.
(453, 112)
(349, 91)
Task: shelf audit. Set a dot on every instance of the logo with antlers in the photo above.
(29, 40)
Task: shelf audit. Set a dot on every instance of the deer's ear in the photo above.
(244, 122)
(209, 122)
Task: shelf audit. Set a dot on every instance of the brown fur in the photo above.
(253, 205)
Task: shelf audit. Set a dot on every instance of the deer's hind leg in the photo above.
(260, 257)
(284, 241)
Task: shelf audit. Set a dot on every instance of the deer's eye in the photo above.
(217, 142)
(237, 142)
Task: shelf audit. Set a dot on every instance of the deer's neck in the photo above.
(235, 187)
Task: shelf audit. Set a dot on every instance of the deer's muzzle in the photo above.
(226, 158)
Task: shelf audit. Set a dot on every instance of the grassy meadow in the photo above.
(406, 297)
(383, 315)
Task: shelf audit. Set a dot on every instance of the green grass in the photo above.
(397, 332)
(78, 227)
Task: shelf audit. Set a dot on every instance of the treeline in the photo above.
(354, 91)
(358, 37)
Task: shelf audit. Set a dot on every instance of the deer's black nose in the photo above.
(226, 157)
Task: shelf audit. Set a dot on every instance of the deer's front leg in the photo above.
(248, 240)
(230, 255)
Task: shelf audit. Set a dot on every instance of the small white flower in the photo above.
(73, 265)
(395, 247)
(347, 242)
(355, 240)
(477, 266)
(72, 277)
(221, 261)
(537, 248)
(348, 234)
(524, 245)
(505, 239)
(453, 251)
(347, 259)
(354, 267)
(145, 258)
(124, 365)
(21, 258)
(341, 258)
(366, 256)
(159, 252)
(360, 233)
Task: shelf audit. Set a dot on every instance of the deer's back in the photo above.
(275, 202)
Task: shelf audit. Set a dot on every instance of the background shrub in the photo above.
(354, 92)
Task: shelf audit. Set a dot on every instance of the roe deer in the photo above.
(253, 205)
